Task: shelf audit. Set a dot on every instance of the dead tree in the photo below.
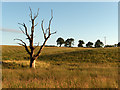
(31, 48)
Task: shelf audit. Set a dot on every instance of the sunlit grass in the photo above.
(61, 68)
(60, 78)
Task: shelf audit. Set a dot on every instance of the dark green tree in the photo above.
(60, 41)
(109, 46)
(98, 43)
(81, 42)
(115, 45)
(69, 42)
(118, 44)
(89, 44)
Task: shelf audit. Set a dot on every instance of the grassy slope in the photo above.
(61, 67)
(18, 52)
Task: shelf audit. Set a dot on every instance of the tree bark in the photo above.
(30, 50)
(32, 63)
(60, 45)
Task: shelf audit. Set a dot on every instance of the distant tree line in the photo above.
(67, 43)
(70, 42)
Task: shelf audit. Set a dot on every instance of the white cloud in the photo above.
(10, 30)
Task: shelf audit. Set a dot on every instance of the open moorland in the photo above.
(61, 67)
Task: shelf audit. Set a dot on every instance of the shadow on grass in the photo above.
(93, 56)
(13, 65)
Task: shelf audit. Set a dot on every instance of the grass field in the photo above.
(61, 67)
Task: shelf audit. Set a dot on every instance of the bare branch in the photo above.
(21, 44)
(53, 33)
(36, 14)
(38, 53)
(22, 30)
(21, 24)
(30, 13)
(24, 44)
(43, 29)
(46, 38)
(36, 46)
(50, 21)
(47, 30)
(26, 33)
(21, 41)
(36, 25)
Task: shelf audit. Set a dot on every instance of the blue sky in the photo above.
(86, 21)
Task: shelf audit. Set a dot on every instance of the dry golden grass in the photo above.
(27, 63)
(61, 67)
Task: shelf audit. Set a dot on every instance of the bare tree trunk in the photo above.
(60, 45)
(30, 50)
(32, 63)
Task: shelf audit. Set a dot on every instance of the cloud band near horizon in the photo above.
(10, 30)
